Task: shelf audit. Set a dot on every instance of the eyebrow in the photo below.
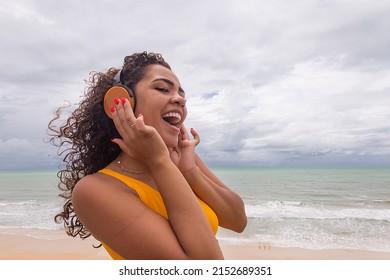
(169, 82)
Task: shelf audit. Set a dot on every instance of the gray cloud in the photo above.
(268, 82)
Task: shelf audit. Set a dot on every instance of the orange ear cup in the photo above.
(119, 92)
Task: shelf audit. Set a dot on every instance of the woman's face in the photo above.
(161, 100)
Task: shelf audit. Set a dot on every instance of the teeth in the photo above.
(173, 115)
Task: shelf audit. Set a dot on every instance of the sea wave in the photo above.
(20, 203)
(28, 213)
(380, 201)
(303, 210)
(311, 230)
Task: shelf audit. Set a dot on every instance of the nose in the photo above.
(179, 100)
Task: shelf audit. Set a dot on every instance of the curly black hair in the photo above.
(85, 138)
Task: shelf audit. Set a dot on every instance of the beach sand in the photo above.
(14, 247)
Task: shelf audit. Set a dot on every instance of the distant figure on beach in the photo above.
(132, 178)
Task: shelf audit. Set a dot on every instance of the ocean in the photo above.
(306, 208)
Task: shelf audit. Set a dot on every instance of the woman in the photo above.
(126, 175)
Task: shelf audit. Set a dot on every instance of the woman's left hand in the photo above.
(183, 156)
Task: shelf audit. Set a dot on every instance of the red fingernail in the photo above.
(140, 115)
(112, 109)
(113, 141)
(123, 100)
(116, 100)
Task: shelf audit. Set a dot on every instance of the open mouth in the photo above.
(172, 118)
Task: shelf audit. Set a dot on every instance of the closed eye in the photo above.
(170, 83)
(162, 89)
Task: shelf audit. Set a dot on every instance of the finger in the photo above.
(142, 128)
(122, 119)
(117, 122)
(196, 136)
(128, 112)
(184, 133)
(120, 110)
(174, 154)
(122, 145)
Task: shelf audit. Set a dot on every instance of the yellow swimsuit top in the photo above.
(154, 201)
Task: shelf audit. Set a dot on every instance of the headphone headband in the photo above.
(118, 78)
(118, 90)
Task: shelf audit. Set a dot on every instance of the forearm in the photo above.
(228, 206)
(186, 216)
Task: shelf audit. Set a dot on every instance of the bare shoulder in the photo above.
(89, 188)
(88, 182)
(98, 198)
(91, 191)
(97, 186)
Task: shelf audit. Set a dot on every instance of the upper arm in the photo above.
(233, 216)
(206, 171)
(118, 218)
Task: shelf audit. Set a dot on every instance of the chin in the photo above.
(171, 142)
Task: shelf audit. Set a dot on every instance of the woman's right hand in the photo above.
(139, 141)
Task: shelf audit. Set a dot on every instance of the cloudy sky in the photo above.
(269, 83)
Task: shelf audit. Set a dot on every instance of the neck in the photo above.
(129, 165)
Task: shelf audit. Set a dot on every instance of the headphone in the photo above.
(118, 90)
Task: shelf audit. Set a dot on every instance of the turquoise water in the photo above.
(28, 202)
(313, 208)
(308, 208)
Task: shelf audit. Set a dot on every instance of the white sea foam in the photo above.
(28, 214)
(310, 225)
(301, 210)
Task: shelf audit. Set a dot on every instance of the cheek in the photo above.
(152, 120)
(148, 112)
